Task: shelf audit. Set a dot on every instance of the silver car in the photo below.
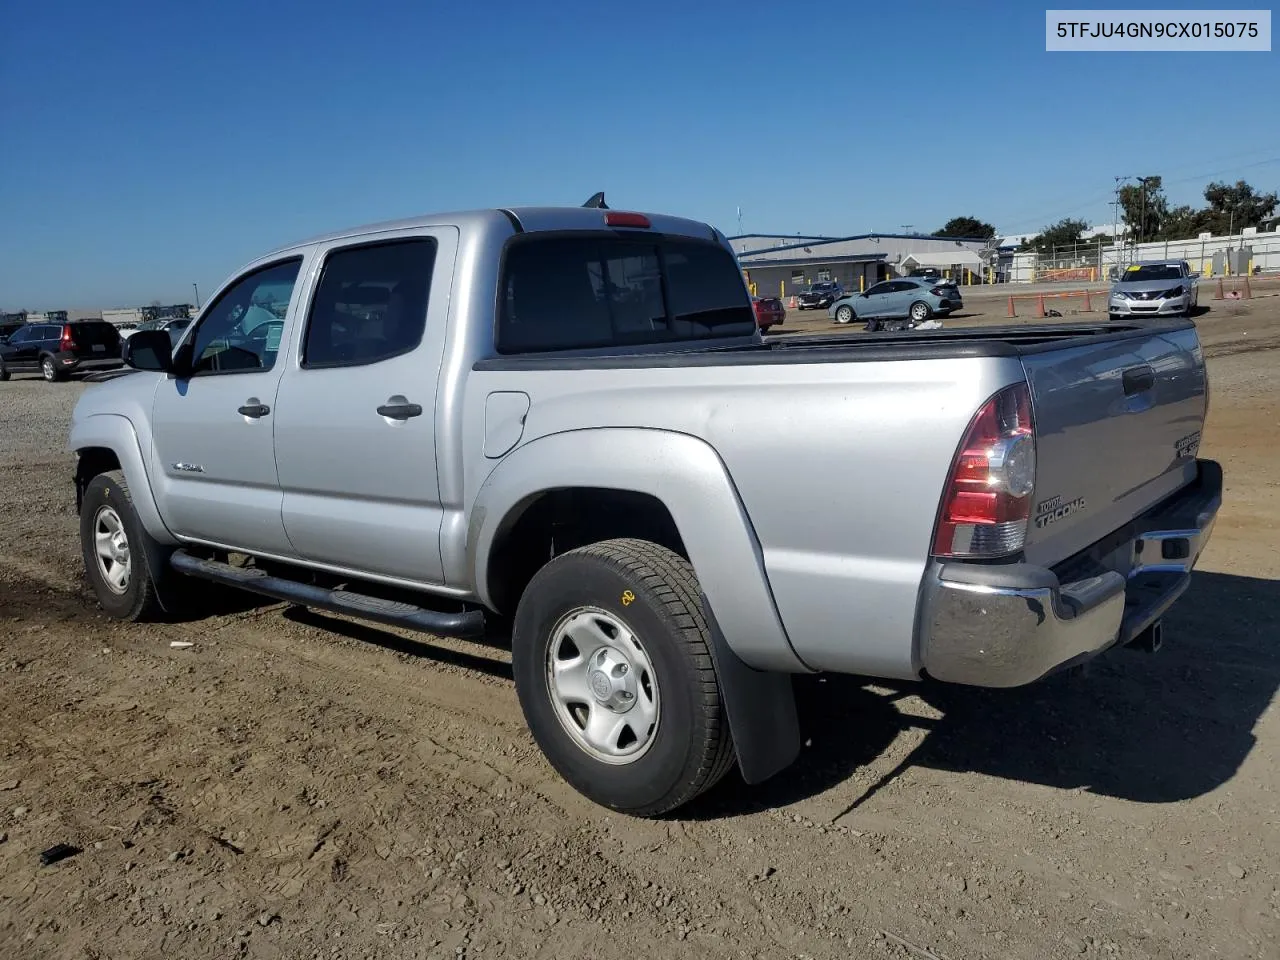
(1155, 288)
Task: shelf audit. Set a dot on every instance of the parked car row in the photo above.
(55, 350)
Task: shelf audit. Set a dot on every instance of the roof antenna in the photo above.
(597, 200)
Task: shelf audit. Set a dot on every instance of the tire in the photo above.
(49, 369)
(844, 314)
(4, 372)
(638, 603)
(920, 311)
(108, 508)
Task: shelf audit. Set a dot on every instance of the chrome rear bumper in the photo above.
(1005, 625)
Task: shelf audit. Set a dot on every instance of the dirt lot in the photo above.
(300, 786)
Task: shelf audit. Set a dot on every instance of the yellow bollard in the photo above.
(862, 283)
(782, 289)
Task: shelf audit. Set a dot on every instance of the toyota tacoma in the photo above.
(561, 428)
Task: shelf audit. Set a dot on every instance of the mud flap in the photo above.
(761, 708)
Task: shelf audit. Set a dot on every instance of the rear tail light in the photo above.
(987, 501)
(68, 341)
(938, 292)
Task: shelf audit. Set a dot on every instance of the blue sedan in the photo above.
(914, 299)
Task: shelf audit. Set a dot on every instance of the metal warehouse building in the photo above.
(785, 265)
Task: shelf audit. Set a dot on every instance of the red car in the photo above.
(769, 311)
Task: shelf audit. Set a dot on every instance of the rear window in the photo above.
(95, 332)
(566, 293)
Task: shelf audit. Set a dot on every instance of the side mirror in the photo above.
(148, 350)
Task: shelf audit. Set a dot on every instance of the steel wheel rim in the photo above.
(602, 686)
(919, 311)
(111, 549)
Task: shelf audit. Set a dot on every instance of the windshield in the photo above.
(1151, 271)
(821, 287)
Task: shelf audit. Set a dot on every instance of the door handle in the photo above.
(253, 409)
(1137, 379)
(398, 408)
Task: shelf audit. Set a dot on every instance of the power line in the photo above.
(1043, 218)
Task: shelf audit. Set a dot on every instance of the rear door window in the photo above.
(574, 292)
(371, 303)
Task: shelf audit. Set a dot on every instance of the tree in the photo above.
(1184, 223)
(1064, 233)
(1234, 207)
(1145, 208)
(967, 227)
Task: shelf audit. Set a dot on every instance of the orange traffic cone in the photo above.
(1040, 306)
(1221, 294)
(1248, 291)
(1012, 312)
(1088, 301)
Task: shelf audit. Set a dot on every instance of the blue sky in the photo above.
(150, 145)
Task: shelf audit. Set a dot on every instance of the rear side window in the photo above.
(370, 304)
(566, 293)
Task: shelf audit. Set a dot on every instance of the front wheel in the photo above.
(118, 553)
(920, 311)
(844, 314)
(612, 663)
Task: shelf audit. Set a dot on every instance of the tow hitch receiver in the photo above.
(1148, 640)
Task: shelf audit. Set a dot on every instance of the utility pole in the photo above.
(906, 227)
(197, 290)
(1115, 237)
(1142, 217)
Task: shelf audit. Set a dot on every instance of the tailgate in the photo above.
(87, 336)
(1117, 429)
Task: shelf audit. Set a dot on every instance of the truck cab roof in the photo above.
(519, 220)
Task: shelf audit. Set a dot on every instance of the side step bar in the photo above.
(469, 623)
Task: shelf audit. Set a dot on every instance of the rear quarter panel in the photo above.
(839, 466)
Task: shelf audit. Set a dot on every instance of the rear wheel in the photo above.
(49, 369)
(920, 311)
(613, 669)
(844, 314)
(4, 372)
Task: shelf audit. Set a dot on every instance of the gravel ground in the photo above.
(296, 785)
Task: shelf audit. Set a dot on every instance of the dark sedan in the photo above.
(819, 295)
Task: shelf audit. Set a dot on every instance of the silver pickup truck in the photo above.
(560, 428)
